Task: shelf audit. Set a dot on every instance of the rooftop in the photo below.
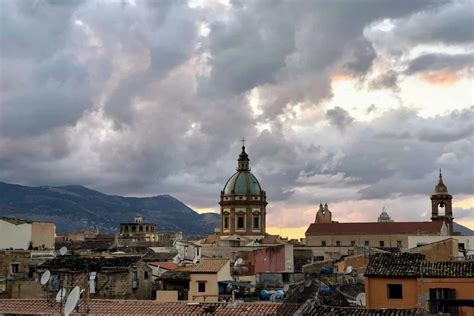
(19, 221)
(374, 228)
(94, 264)
(208, 265)
(144, 307)
(414, 265)
(354, 311)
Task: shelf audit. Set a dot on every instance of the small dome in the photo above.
(241, 183)
(440, 187)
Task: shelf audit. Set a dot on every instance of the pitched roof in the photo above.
(175, 275)
(374, 228)
(354, 311)
(400, 264)
(148, 307)
(414, 265)
(159, 256)
(164, 265)
(208, 265)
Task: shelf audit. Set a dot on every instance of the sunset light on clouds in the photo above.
(144, 98)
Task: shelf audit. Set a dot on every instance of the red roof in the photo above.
(164, 265)
(376, 228)
(145, 307)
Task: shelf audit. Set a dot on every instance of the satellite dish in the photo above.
(63, 251)
(195, 260)
(72, 300)
(349, 270)
(286, 287)
(360, 299)
(45, 277)
(308, 283)
(61, 295)
(238, 262)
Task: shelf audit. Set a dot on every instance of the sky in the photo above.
(353, 103)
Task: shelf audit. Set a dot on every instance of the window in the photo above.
(240, 222)
(134, 280)
(201, 286)
(353, 243)
(382, 243)
(141, 228)
(198, 250)
(226, 221)
(366, 243)
(145, 275)
(338, 243)
(15, 267)
(323, 243)
(256, 222)
(461, 247)
(318, 258)
(436, 298)
(394, 291)
(399, 244)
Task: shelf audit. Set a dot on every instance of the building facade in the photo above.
(385, 233)
(138, 231)
(243, 202)
(25, 234)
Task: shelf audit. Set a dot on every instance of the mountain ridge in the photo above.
(76, 207)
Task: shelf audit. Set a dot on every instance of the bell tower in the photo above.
(323, 215)
(441, 200)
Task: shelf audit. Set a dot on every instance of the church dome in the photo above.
(243, 181)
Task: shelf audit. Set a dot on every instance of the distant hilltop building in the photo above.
(385, 232)
(384, 217)
(138, 231)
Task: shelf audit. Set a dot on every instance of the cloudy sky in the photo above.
(354, 103)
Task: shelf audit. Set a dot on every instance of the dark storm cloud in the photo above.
(388, 80)
(435, 62)
(132, 99)
(339, 118)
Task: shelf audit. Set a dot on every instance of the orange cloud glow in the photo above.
(440, 78)
(340, 77)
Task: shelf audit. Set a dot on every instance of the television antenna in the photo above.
(63, 251)
(45, 277)
(72, 300)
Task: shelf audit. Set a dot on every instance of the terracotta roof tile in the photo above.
(354, 311)
(376, 228)
(165, 265)
(414, 265)
(142, 307)
(208, 265)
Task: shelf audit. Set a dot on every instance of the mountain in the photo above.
(463, 230)
(75, 207)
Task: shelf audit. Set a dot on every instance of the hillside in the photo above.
(76, 207)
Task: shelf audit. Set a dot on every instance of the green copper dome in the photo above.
(243, 181)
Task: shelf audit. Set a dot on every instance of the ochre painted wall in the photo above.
(43, 234)
(376, 293)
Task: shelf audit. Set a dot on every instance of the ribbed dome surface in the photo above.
(241, 183)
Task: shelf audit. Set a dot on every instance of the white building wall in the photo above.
(14, 236)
